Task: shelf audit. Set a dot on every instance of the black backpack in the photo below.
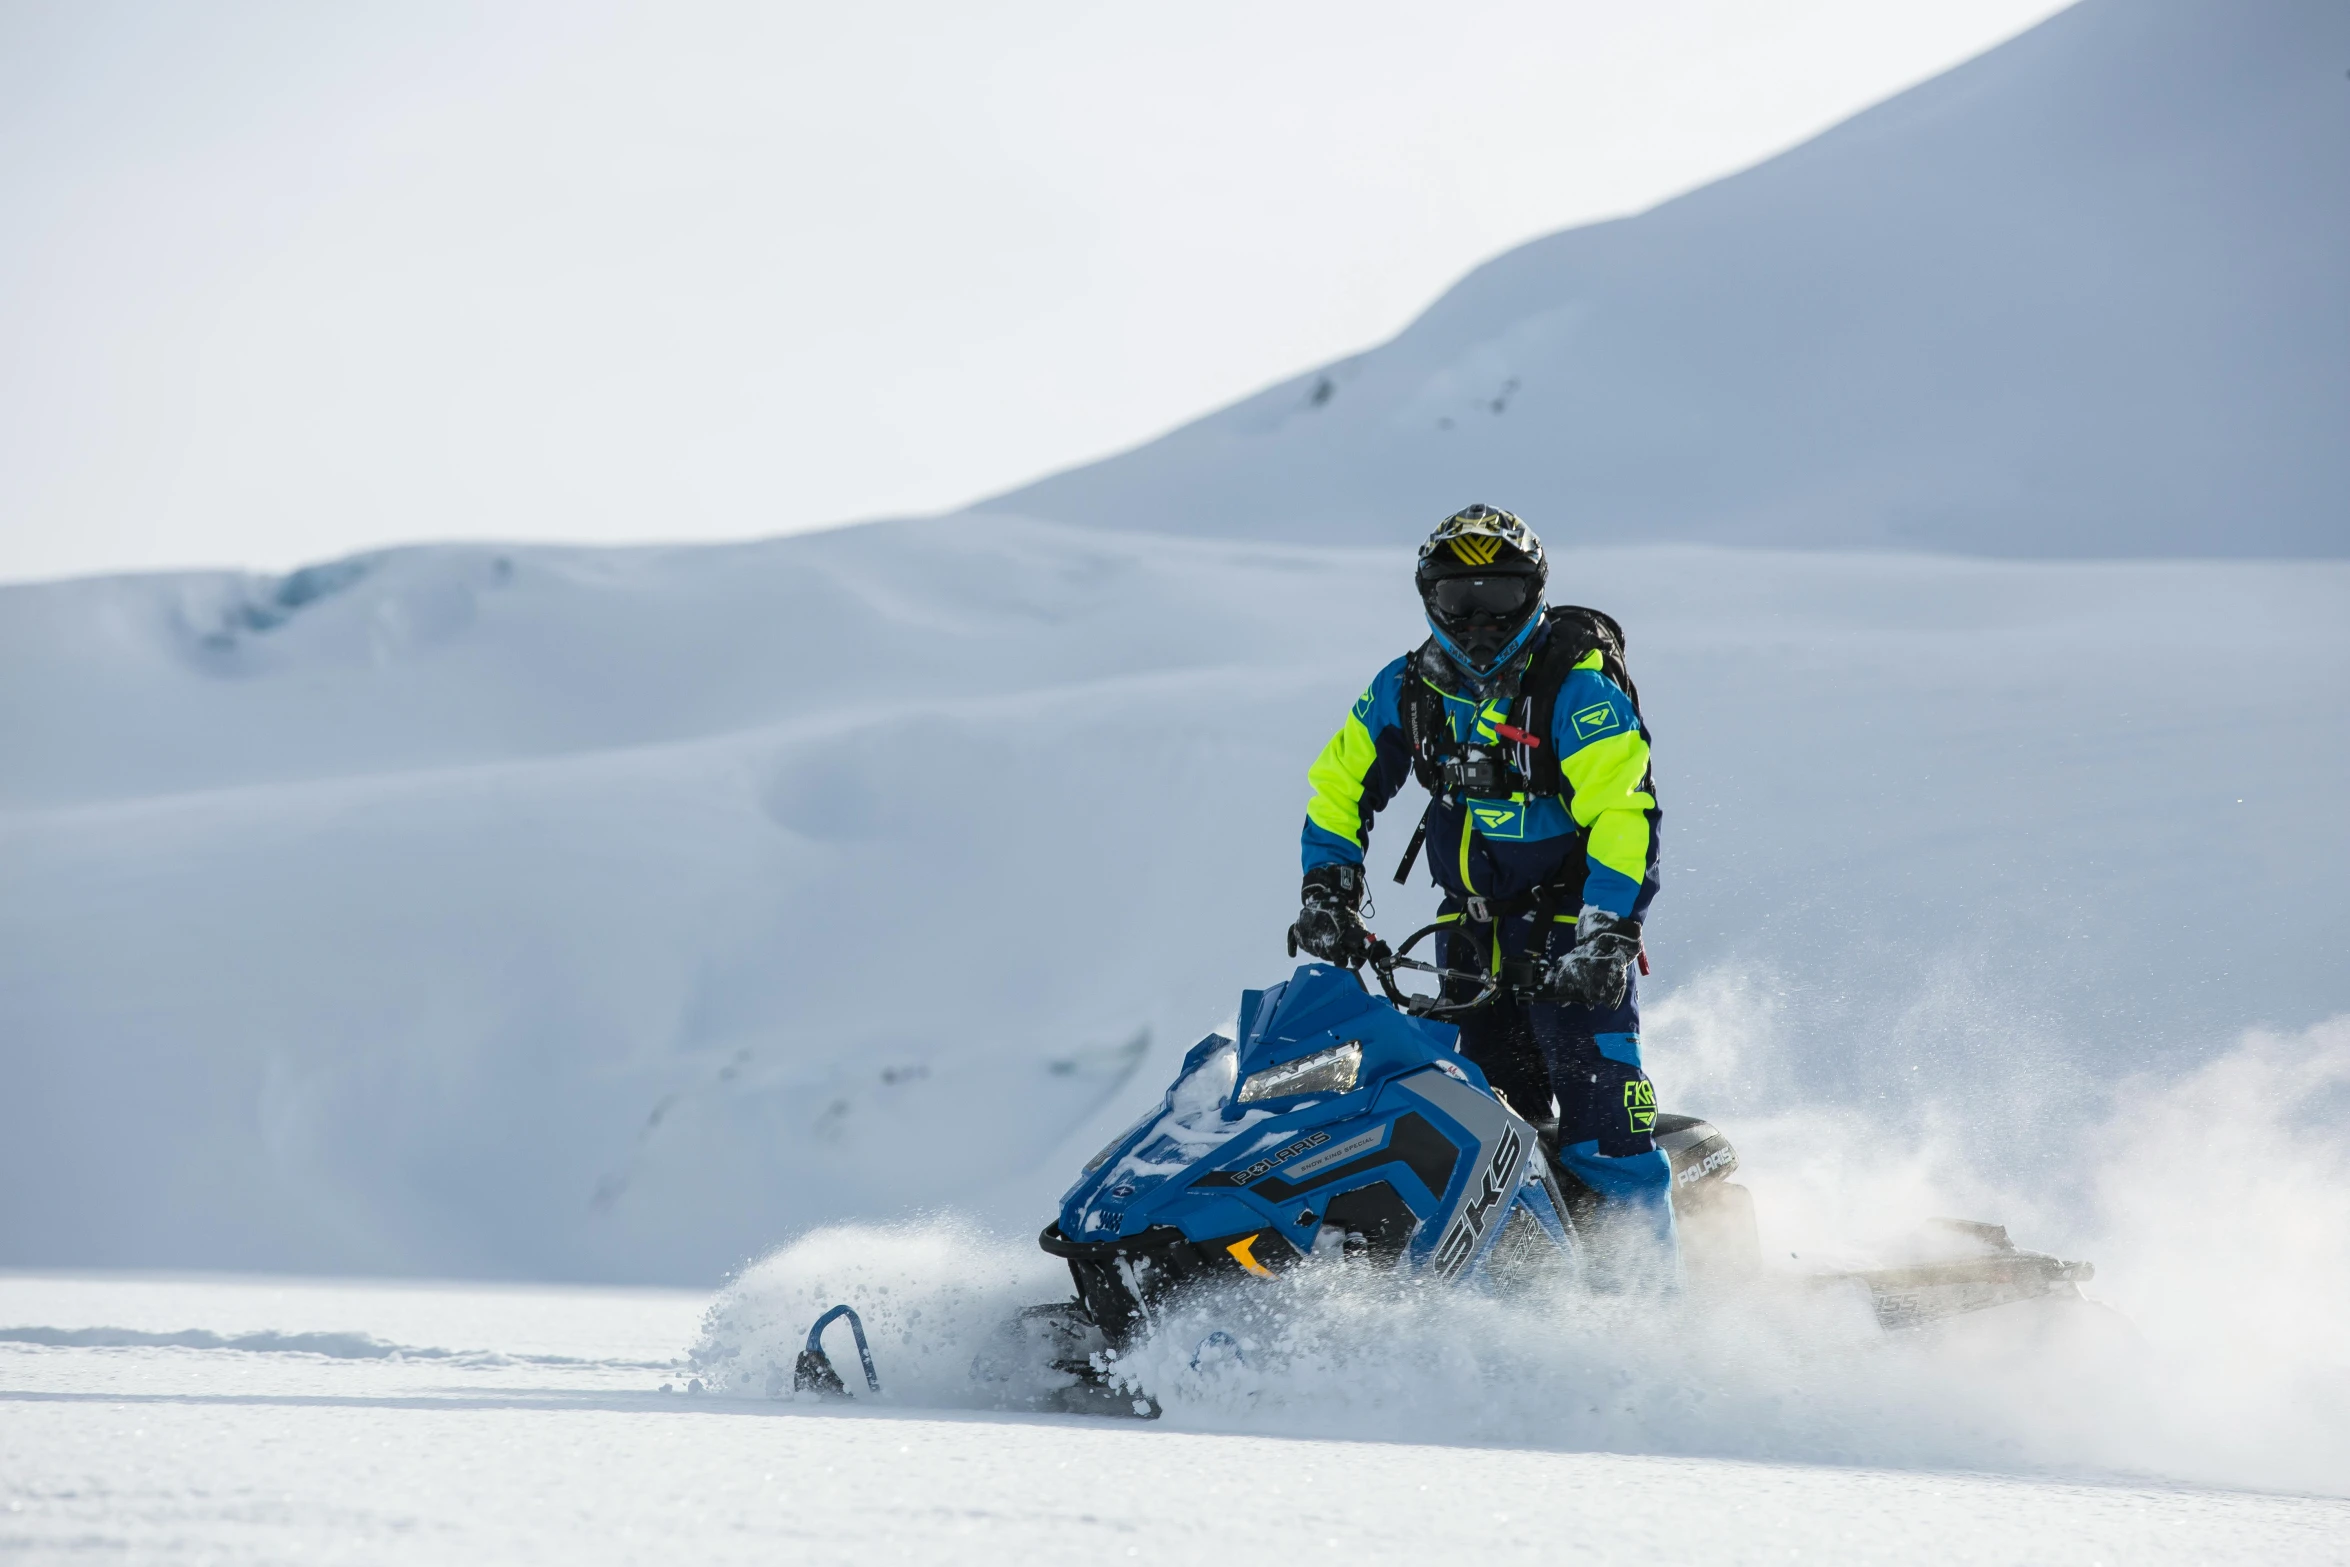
(1575, 634)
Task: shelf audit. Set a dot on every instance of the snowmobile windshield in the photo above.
(1207, 1085)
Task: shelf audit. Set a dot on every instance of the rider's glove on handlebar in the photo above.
(1592, 973)
(1328, 924)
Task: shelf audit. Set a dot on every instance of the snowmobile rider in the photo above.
(1541, 829)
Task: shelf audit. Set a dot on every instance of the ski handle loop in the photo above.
(1385, 960)
(856, 1327)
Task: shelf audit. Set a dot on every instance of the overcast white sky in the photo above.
(278, 281)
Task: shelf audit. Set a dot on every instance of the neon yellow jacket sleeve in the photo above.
(1336, 778)
(1357, 773)
(1604, 760)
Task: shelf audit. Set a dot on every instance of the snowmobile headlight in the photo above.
(1329, 1071)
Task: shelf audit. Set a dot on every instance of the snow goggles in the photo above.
(1482, 598)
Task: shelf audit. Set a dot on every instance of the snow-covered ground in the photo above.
(564, 913)
(531, 1425)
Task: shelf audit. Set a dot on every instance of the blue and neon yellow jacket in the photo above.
(1606, 816)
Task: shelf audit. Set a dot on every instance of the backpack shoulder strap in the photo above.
(1575, 634)
(1426, 732)
(1425, 728)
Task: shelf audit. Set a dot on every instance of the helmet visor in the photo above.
(1461, 599)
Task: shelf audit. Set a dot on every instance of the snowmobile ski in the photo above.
(813, 1372)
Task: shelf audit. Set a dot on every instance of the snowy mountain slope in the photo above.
(459, 655)
(614, 914)
(2082, 296)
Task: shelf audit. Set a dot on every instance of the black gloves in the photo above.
(1328, 925)
(1592, 973)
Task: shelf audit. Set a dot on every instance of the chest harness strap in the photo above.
(1447, 767)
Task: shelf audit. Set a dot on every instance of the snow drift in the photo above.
(2221, 1365)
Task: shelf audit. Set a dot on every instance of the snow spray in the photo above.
(2216, 1205)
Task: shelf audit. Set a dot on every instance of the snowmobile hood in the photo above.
(1182, 1164)
(1319, 1008)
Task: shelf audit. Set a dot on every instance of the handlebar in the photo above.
(1385, 960)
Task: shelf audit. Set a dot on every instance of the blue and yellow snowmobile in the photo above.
(1342, 1124)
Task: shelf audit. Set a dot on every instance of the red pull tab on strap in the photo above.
(1513, 732)
(1643, 962)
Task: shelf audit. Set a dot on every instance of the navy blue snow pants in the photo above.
(1586, 1063)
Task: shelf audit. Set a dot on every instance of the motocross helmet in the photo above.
(1481, 577)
